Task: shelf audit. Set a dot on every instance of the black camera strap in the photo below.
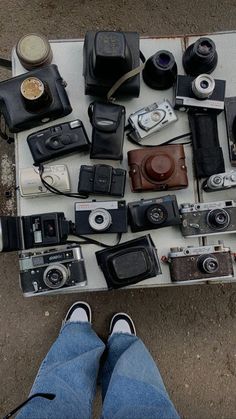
(55, 190)
(88, 240)
(48, 396)
(172, 140)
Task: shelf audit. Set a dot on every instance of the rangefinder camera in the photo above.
(200, 263)
(32, 186)
(148, 214)
(53, 271)
(201, 92)
(101, 217)
(152, 118)
(220, 181)
(208, 218)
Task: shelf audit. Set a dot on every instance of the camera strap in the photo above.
(179, 137)
(125, 77)
(48, 396)
(88, 240)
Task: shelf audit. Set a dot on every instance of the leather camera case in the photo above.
(158, 168)
(108, 56)
(12, 104)
(108, 121)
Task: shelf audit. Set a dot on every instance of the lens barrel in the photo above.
(218, 219)
(160, 70)
(208, 264)
(200, 57)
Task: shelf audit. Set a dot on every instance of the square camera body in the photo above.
(148, 214)
(200, 263)
(230, 118)
(100, 217)
(58, 140)
(208, 218)
(101, 179)
(106, 57)
(52, 271)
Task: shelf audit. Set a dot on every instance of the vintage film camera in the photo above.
(100, 217)
(101, 179)
(200, 263)
(148, 120)
(148, 214)
(208, 218)
(202, 92)
(38, 230)
(220, 182)
(230, 117)
(58, 140)
(158, 168)
(33, 98)
(52, 271)
(31, 185)
(107, 57)
(129, 262)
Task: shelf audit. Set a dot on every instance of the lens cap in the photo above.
(200, 57)
(160, 70)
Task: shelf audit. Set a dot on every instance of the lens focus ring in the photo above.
(55, 276)
(203, 86)
(100, 219)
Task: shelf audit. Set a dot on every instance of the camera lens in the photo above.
(55, 276)
(100, 219)
(200, 57)
(54, 143)
(208, 264)
(218, 219)
(203, 86)
(160, 70)
(49, 228)
(156, 214)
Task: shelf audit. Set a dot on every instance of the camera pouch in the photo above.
(108, 121)
(129, 262)
(207, 153)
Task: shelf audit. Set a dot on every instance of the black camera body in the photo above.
(100, 217)
(129, 262)
(230, 118)
(33, 98)
(39, 230)
(58, 140)
(148, 214)
(101, 179)
(202, 93)
(56, 271)
(108, 56)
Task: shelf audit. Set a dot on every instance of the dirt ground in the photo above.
(190, 331)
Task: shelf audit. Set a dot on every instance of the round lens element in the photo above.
(164, 59)
(156, 214)
(55, 276)
(208, 264)
(218, 219)
(100, 219)
(204, 47)
(203, 86)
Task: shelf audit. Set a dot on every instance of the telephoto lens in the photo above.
(200, 57)
(160, 70)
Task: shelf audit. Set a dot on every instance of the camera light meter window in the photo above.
(100, 219)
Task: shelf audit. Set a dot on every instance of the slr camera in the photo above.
(26, 232)
(33, 98)
(208, 218)
(148, 120)
(100, 217)
(148, 214)
(158, 168)
(101, 179)
(107, 57)
(220, 182)
(52, 271)
(57, 141)
(129, 262)
(200, 263)
(202, 92)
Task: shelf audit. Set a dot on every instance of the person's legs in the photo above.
(69, 371)
(132, 387)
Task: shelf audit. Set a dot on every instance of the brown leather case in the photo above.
(158, 168)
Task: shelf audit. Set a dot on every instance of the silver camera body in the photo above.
(220, 181)
(52, 271)
(204, 219)
(150, 119)
(200, 263)
(31, 186)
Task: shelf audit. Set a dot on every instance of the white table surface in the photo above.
(67, 54)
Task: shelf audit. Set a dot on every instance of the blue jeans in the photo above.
(132, 387)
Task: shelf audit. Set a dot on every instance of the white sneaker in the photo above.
(122, 323)
(79, 312)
